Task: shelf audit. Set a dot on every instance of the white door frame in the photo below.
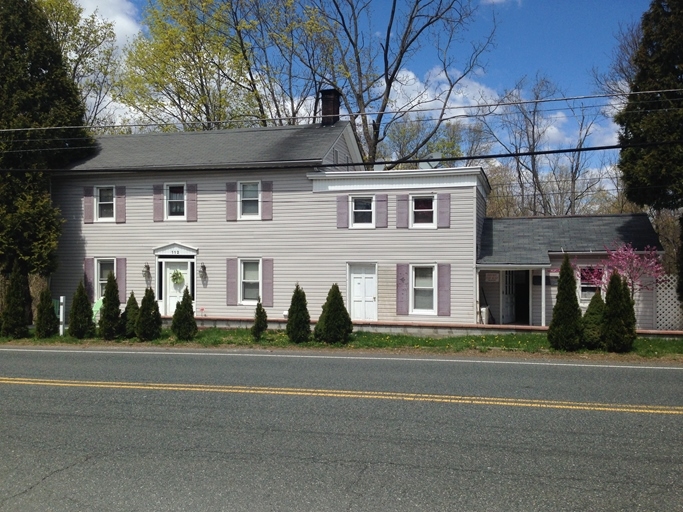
(173, 253)
(369, 302)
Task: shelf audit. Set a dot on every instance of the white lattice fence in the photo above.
(669, 314)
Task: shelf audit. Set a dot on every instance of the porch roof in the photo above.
(530, 240)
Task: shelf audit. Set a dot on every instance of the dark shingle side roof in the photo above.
(527, 241)
(218, 149)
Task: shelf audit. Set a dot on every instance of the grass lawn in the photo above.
(500, 343)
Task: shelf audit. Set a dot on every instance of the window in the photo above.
(104, 267)
(249, 200)
(422, 211)
(175, 201)
(250, 281)
(105, 203)
(423, 289)
(591, 279)
(362, 212)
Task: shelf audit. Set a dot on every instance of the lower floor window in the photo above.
(104, 268)
(591, 279)
(250, 280)
(423, 288)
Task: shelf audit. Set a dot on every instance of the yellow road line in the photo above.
(332, 393)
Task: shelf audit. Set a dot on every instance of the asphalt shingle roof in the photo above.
(217, 149)
(528, 240)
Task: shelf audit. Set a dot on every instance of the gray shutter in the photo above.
(191, 203)
(231, 201)
(158, 192)
(402, 211)
(382, 220)
(444, 289)
(266, 200)
(402, 288)
(88, 205)
(443, 205)
(231, 282)
(342, 212)
(121, 278)
(88, 278)
(120, 205)
(267, 288)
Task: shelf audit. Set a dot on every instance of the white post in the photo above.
(543, 297)
(61, 315)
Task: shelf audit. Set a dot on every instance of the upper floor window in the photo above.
(250, 281)
(105, 266)
(249, 196)
(362, 212)
(422, 211)
(104, 197)
(423, 287)
(175, 201)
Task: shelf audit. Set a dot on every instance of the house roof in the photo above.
(530, 240)
(282, 146)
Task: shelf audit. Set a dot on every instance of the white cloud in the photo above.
(123, 13)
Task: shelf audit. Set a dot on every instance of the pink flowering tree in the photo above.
(642, 270)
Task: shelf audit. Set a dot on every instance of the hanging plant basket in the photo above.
(177, 277)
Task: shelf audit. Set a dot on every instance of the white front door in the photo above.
(363, 292)
(508, 297)
(174, 290)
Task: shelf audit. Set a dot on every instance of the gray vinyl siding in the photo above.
(302, 240)
(481, 215)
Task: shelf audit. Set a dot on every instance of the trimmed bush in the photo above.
(564, 332)
(298, 328)
(183, 325)
(129, 318)
(15, 319)
(260, 322)
(148, 325)
(619, 319)
(47, 323)
(334, 324)
(81, 324)
(592, 322)
(109, 326)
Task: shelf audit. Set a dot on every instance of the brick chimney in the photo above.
(330, 106)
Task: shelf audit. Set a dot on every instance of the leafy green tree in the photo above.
(40, 107)
(592, 322)
(81, 324)
(298, 328)
(47, 323)
(148, 325)
(110, 313)
(618, 319)
(260, 322)
(334, 324)
(564, 332)
(15, 319)
(183, 325)
(129, 317)
(88, 45)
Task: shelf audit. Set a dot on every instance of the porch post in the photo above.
(543, 297)
(477, 304)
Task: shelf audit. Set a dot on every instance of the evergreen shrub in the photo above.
(334, 324)
(592, 322)
(618, 319)
(298, 328)
(260, 321)
(564, 332)
(129, 317)
(81, 324)
(109, 325)
(183, 325)
(148, 325)
(15, 319)
(47, 323)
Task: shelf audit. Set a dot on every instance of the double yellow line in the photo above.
(370, 395)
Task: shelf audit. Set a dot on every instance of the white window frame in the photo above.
(435, 284)
(352, 210)
(248, 216)
(100, 282)
(580, 285)
(423, 225)
(98, 217)
(167, 200)
(240, 269)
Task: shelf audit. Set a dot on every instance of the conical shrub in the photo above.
(81, 324)
(564, 332)
(298, 328)
(618, 319)
(109, 326)
(15, 319)
(47, 323)
(334, 324)
(148, 325)
(129, 318)
(592, 322)
(183, 325)
(260, 322)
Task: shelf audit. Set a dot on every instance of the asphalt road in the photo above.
(166, 430)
